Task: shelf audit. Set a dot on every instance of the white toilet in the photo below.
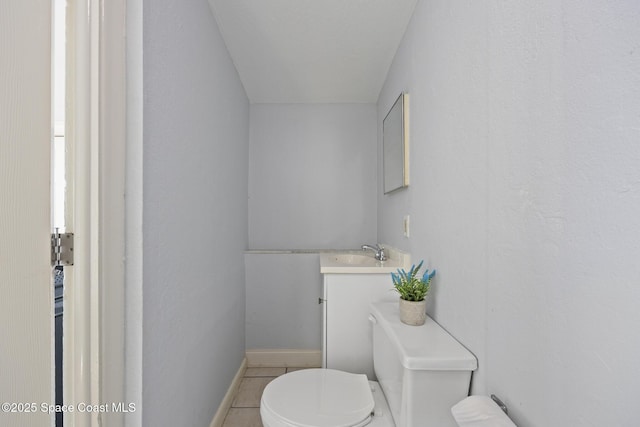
(422, 372)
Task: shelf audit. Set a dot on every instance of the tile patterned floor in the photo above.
(245, 409)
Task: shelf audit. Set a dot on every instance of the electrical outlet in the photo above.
(405, 226)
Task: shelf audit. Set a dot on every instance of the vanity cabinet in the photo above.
(346, 326)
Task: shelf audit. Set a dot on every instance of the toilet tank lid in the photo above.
(426, 347)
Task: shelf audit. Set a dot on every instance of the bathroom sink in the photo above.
(357, 262)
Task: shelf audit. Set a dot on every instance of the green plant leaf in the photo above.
(409, 285)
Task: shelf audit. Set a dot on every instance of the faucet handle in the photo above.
(381, 254)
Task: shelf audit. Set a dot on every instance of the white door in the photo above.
(26, 309)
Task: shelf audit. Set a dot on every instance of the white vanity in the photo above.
(352, 281)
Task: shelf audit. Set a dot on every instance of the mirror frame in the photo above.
(395, 146)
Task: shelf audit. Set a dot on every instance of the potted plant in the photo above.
(413, 290)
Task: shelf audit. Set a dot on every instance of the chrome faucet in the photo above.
(380, 254)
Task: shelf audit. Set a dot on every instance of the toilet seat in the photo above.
(317, 398)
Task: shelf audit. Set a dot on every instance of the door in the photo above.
(26, 309)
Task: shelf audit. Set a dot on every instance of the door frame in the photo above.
(94, 322)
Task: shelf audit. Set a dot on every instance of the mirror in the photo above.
(395, 145)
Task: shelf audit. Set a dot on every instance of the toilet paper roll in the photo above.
(480, 411)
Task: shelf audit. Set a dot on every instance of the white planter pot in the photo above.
(413, 313)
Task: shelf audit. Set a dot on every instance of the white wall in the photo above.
(311, 169)
(196, 133)
(525, 195)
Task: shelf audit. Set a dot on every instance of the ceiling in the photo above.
(312, 51)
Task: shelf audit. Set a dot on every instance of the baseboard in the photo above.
(221, 413)
(276, 358)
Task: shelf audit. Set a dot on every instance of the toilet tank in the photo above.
(422, 370)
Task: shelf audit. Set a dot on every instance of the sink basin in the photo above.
(354, 259)
(356, 262)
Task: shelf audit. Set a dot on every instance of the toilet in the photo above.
(422, 372)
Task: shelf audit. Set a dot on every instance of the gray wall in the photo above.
(311, 169)
(196, 133)
(525, 196)
(282, 301)
(312, 174)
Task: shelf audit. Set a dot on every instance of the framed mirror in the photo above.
(395, 145)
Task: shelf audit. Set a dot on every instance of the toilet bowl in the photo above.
(422, 372)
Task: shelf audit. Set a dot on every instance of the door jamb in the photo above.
(94, 314)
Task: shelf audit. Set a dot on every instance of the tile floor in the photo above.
(245, 409)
